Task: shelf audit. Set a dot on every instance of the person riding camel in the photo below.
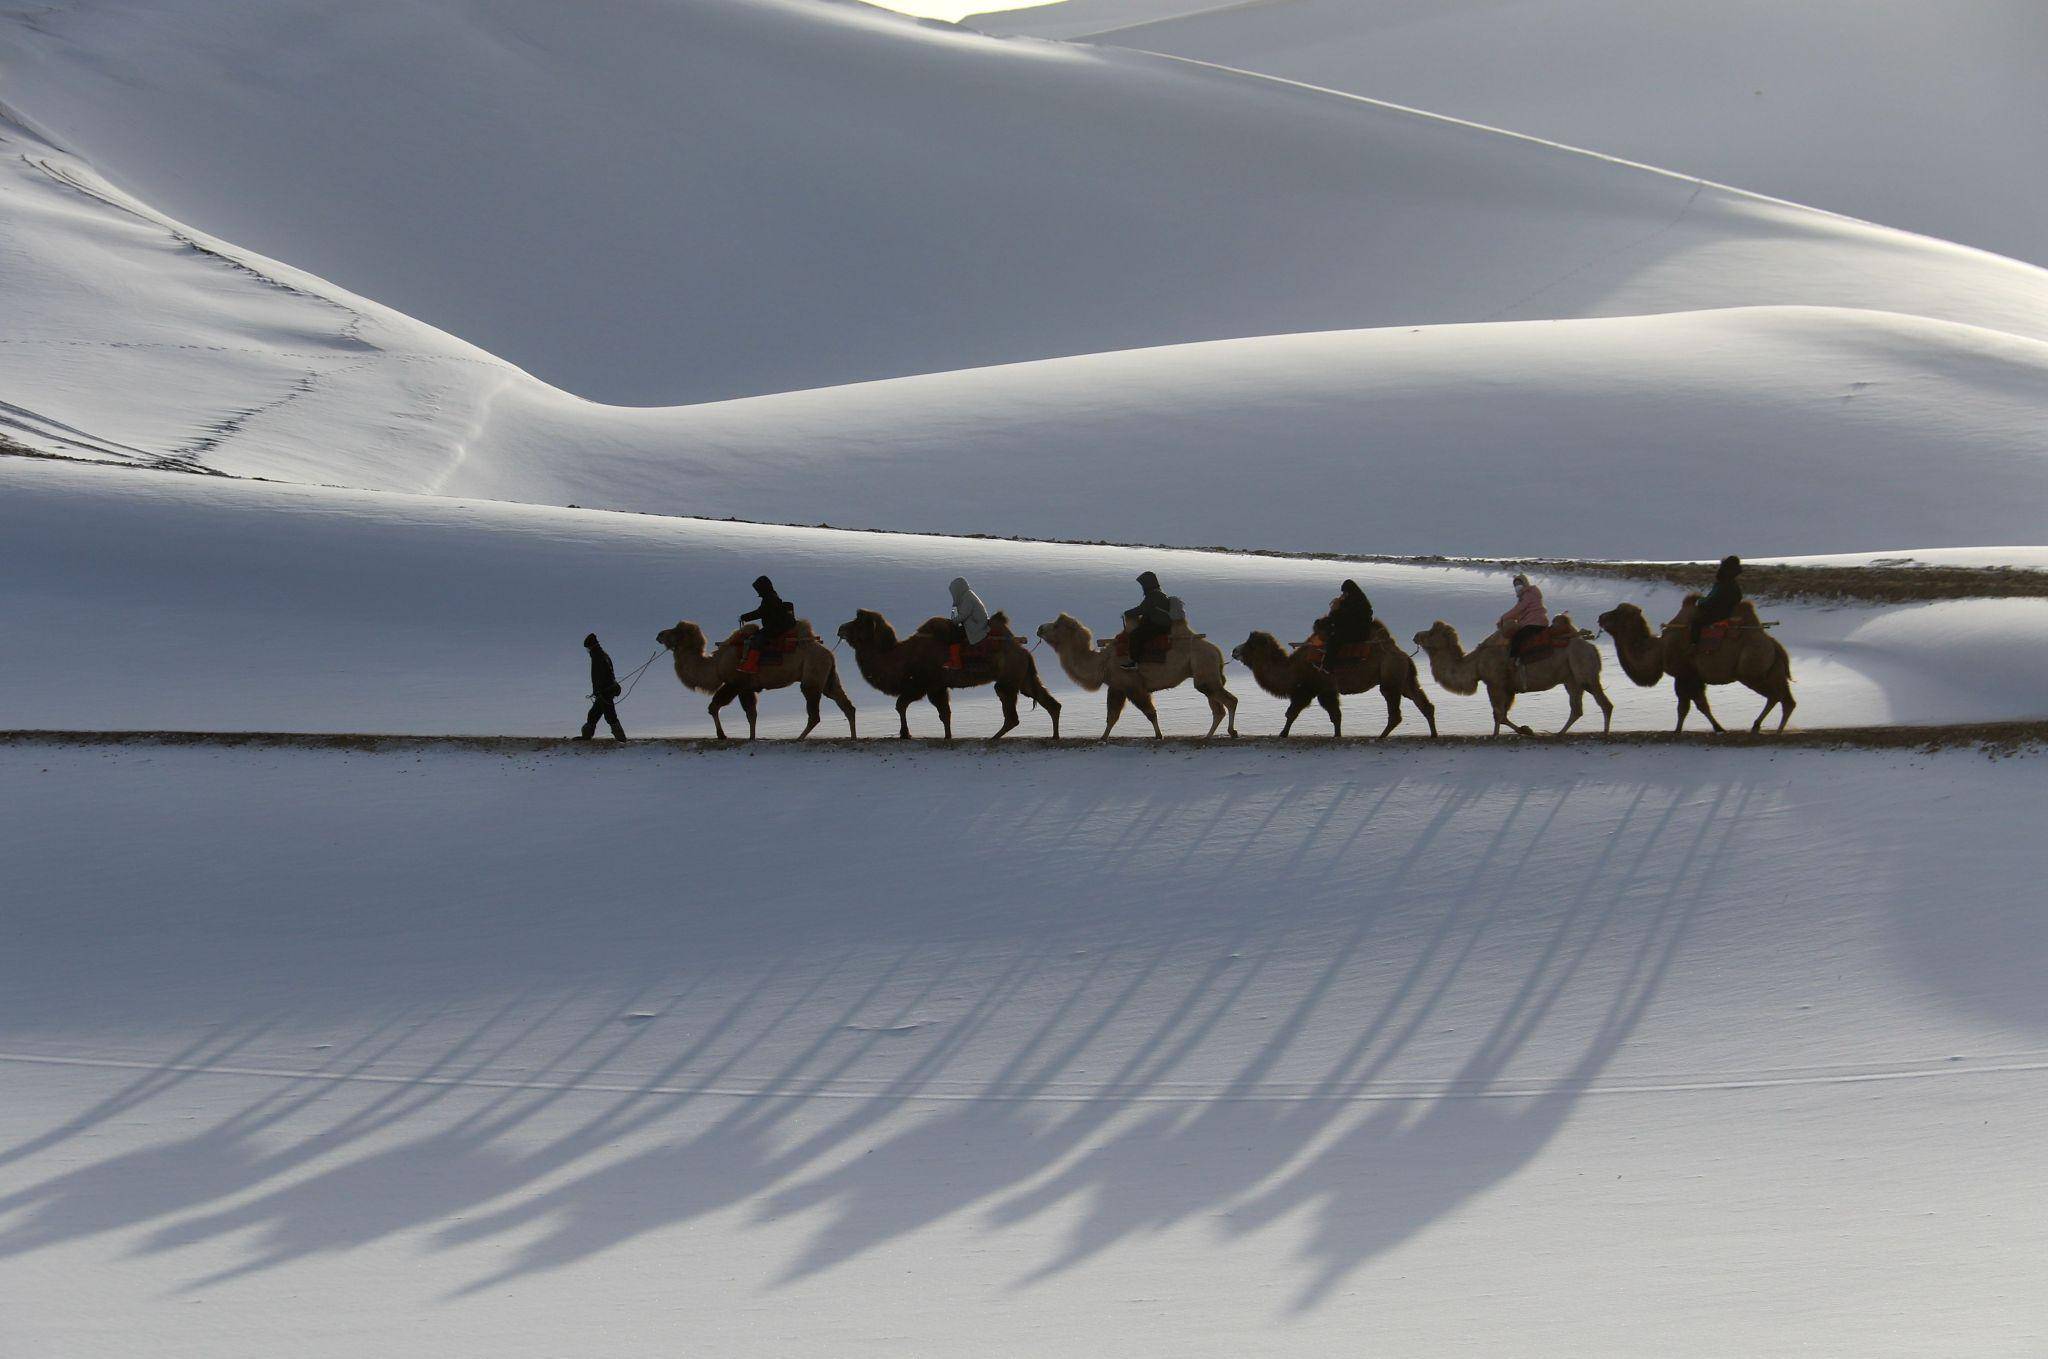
(777, 617)
(1527, 620)
(1152, 618)
(970, 622)
(1349, 621)
(1719, 603)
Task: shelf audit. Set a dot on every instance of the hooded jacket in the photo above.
(1349, 619)
(1528, 611)
(969, 612)
(776, 614)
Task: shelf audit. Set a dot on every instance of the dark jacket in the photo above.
(776, 614)
(1719, 602)
(1349, 619)
(603, 682)
(1155, 610)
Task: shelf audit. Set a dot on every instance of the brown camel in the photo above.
(915, 668)
(1295, 677)
(1092, 665)
(1576, 666)
(809, 664)
(1750, 656)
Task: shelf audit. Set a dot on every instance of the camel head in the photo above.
(1624, 621)
(867, 629)
(685, 637)
(1439, 636)
(1066, 630)
(1260, 648)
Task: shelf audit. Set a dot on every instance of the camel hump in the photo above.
(935, 627)
(999, 619)
(1745, 614)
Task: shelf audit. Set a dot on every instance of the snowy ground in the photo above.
(1527, 1048)
(1462, 1051)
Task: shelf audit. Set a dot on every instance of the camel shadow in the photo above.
(1207, 1062)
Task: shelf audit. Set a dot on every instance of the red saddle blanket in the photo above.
(1561, 633)
(756, 648)
(1155, 647)
(1350, 651)
(960, 653)
(1714, 634)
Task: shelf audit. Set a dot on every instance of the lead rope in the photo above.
(634, 678)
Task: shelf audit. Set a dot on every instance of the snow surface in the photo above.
(661, 203)
(132, 337)
(188, 602)
(1916, 115)
(1527, 1048)
(1562, 1051)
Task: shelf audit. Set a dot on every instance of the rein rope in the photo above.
(634, 678)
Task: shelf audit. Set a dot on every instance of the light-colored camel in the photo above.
(809, 665)
(1093, 665)
(1294, 676)
(1750, 656)
(1576, 666)
(915, 668)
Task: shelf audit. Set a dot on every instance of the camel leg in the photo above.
(903, 702)
(1577, 698)
(1599, 693)
(1046, 701)
(1222, 705)
(943, 701)
(1142, 701)
(811, 697)
(1007, 696)
(1422, 703)
(836, 691)
(1503, 704)
(750, 704)
(1335, 708)
(1786, 703)
(1699, 700)
(1392, 695)
(1116, 710)
(1297, 704)
(724, 695)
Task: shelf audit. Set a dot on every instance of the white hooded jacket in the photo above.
(968, 611)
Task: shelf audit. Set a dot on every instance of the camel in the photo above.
(1752, 657)
(915, 668)
(1294, 677)
(1092, 665)
(1576, 666)
(808, 665)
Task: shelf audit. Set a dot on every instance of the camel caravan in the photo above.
(1714, 639)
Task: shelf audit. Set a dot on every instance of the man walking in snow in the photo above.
(604, 687)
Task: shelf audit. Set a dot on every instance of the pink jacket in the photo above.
(1528, 611)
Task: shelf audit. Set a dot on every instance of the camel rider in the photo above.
(1719, 604)
(1527, 620)
(604, 687)
(1153, 617)
(970, 621)
(777, 617)
(1348, 621)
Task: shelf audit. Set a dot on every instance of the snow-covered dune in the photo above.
(1912, 114)
(130, 336)
(189, 602)
(706, 198)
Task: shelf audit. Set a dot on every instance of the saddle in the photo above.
(1561, 633)
(1156, 648)
(1320, 652)
(754, 648)
(960, 654)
